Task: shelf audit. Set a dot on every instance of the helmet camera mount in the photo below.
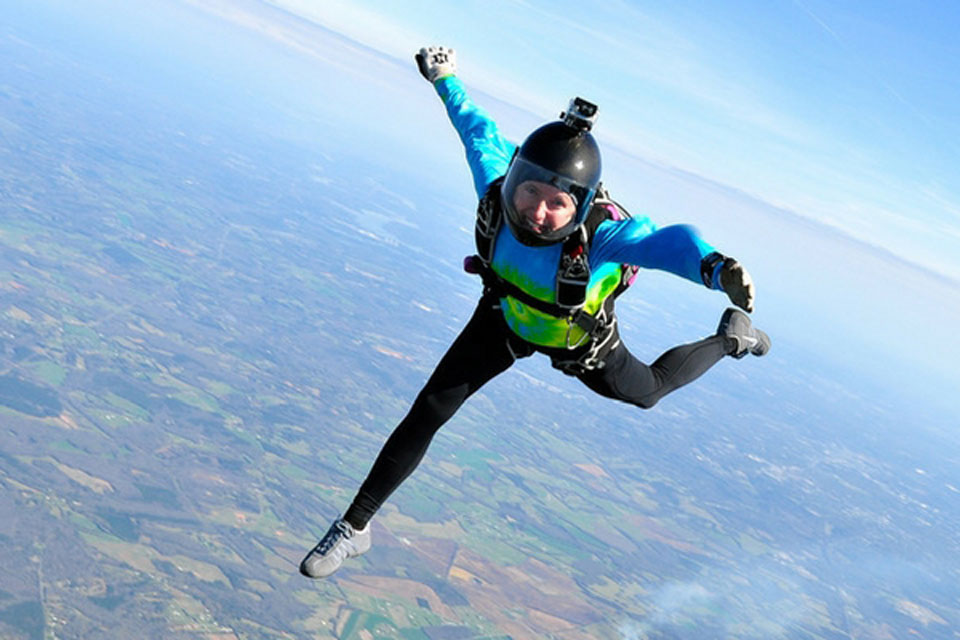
(580, 115)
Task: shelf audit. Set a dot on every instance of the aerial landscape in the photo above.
(215, 305)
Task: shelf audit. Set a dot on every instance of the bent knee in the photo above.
(646, 403)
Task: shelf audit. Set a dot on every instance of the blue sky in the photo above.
(842, 112)
(705, 119)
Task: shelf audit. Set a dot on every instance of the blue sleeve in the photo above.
(678, 249)
(488, 153)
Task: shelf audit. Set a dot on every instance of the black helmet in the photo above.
(563, 154)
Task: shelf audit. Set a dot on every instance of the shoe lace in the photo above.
(340, 529)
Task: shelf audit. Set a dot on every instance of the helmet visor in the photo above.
(543, 206)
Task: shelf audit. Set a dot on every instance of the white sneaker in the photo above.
(341, 541)
(737, 325)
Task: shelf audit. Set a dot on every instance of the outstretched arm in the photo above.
(678, 249)
(488, 153)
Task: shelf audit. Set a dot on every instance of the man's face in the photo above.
(543, 207)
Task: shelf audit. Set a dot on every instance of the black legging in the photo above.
(487, 347)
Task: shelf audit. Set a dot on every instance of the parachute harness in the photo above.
(573, 277)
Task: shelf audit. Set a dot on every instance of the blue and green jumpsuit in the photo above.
(503, 329)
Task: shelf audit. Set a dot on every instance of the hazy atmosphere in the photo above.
(231, 236)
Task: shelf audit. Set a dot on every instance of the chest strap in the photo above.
(502, 288)
(573, 272)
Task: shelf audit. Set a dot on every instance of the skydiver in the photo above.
(553, 253)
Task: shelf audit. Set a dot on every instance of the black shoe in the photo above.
(736, 324)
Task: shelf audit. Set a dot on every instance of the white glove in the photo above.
(436, 62)
(737, 284)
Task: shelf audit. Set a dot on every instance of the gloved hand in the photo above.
(436, 62)
(737, 284)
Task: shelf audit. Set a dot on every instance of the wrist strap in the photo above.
(710, 268)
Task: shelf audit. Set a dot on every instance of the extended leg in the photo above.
(483, 349)
(625, 378)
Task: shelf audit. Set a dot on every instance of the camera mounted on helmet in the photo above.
(580, 115)
(553, 177)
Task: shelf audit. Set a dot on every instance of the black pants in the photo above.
(487, 347)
